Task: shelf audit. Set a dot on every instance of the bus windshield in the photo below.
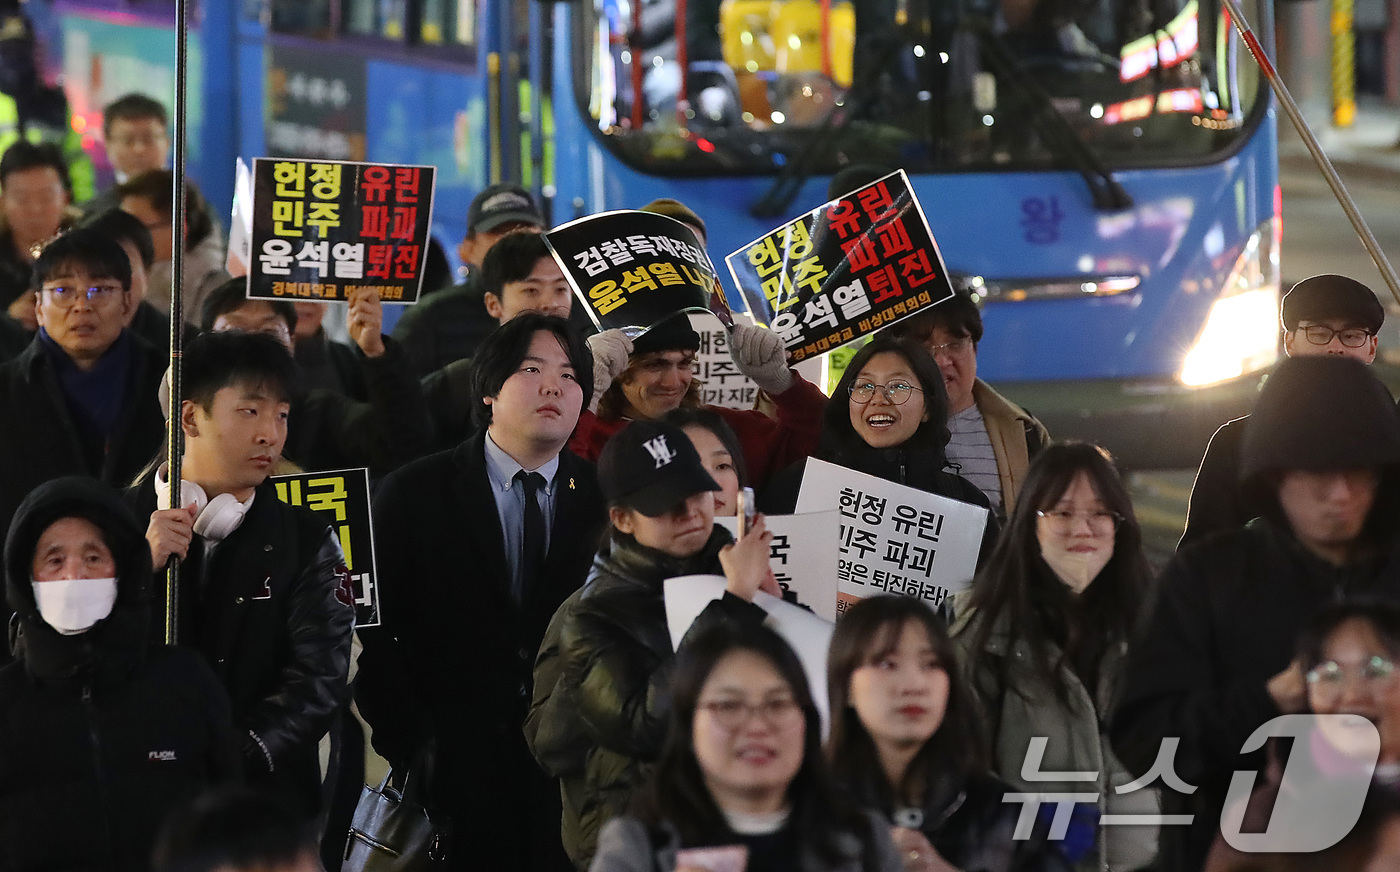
(748, 86)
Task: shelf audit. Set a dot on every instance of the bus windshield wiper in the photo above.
(1108, 194)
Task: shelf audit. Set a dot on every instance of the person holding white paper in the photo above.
(893, 425)
(1043, 637)
(598, 717)
(741, 784)
(906, 740)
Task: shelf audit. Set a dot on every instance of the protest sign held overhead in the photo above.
(843, 270)
(803, 556)
(894, 538)
(343, 495)
(325, 229)
(633, 269)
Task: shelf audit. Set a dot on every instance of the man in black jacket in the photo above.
(81, 398)
(264, 594)
(1214, 658)
(329, 430)
(477, 546)
(1325, 314)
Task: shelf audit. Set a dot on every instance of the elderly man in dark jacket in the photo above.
(468, 584)
(102, 735)
(1213, 659)
(81, 399)
(264, 594)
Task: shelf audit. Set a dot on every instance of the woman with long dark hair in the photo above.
(888, 417)
(1043, 634)
(742, 772)
(906, 740)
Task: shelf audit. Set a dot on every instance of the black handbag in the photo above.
(391, 830)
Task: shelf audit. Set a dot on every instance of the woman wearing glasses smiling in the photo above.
(1043, 635)
(1348, 655)
(741, 783)
(893, 424)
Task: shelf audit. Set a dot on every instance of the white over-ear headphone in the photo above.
(214, 519)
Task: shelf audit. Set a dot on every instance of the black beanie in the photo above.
(672, 333)
(1321, 413)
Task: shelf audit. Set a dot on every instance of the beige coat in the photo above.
(1007, 424)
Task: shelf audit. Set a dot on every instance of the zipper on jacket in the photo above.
(104, 807)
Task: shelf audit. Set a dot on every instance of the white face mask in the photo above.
(73, 605)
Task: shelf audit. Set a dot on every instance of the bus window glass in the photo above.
(383, 18)
(448, 22)
(930, 85)
(308, 17)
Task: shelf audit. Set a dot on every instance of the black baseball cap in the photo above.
(1325, 297)
(651, 467)
(502, 204)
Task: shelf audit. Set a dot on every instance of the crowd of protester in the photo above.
(535, 484)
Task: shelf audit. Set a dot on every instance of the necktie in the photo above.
(532, 543)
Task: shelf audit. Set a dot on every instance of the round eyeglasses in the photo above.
(1100, 521)
(897, 393)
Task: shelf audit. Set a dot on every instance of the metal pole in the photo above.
(175, 445)
(1334, 181)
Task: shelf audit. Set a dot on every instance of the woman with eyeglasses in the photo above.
(1043, 634)
(906, 740)
(741, 783)
(888, 417)
(1348, 655)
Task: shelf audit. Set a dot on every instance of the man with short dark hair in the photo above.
(81, 398)
(146, 321)
(34, 205)
(477, 547)
(149, 197)
(135, 132)
(518, 274)
(1322, 315)
(329, 430)
(264, 594)
(992, 440)
(1214, 658)
(449, 324)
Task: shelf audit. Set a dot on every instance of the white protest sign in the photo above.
(809, 635)
(894, 538)
(721, 383)
(803, 556)
(240, 225)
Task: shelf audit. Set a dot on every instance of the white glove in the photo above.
(611, 349)
(759, 354)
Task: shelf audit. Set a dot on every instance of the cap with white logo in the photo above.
(651, 467)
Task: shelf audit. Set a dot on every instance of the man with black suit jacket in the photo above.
(477, 546)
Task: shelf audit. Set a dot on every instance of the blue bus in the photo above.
(1101, 174)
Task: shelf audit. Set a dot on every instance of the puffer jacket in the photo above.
(1024, 706)
(599, 712)
(101, 735)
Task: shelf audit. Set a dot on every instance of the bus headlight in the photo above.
(1241, 334)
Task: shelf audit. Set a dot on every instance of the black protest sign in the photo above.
(343, 496)
(323, 230)
(844, 270)
(633, 269)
